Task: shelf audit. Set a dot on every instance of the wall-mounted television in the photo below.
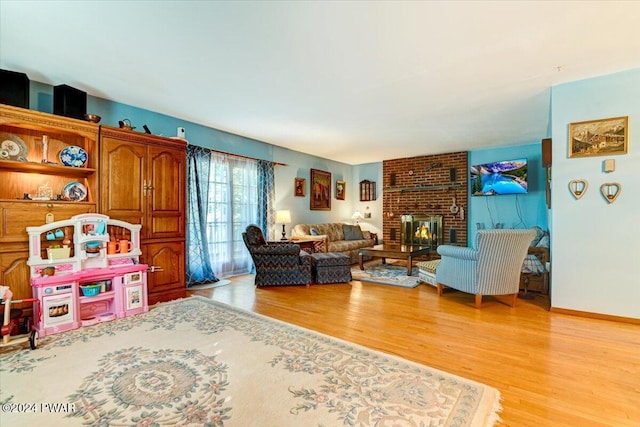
(505, 177)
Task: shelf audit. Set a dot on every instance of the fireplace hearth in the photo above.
(421, 229)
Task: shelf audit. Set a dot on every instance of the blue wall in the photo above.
(595, 245)
(513, 211)
(503, 209)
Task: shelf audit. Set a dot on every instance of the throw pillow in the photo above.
(544, 241)
(352, 232)
(314, 232)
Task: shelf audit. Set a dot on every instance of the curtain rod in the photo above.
(245, 157)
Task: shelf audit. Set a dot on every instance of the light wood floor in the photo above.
(551, 369)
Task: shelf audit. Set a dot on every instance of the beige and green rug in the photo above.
(199, 362)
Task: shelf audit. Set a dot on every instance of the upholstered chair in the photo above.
(277, 263)
(492, 268)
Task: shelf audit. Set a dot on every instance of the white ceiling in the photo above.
(356, 82)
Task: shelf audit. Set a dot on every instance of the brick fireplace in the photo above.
(426, 185)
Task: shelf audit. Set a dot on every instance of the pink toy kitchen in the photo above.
(85, 270)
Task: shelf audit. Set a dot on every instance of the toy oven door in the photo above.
(57, 310)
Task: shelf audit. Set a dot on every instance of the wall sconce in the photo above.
(611, 191)
(283, 217)
(367, 214)
(578, 187)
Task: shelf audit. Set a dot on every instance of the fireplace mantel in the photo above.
(422, 188)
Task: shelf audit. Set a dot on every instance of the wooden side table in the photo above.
(305, 245)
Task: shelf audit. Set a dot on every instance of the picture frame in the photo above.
(300, 187)
(604, 137)
(320, 190)
(341, 188)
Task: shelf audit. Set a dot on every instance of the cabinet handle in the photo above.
(49, 205)
(153, 269)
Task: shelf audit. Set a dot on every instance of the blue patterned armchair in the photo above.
(277, 263)
(491, 269)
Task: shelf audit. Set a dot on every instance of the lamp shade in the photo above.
(356, 215)
(283, 217)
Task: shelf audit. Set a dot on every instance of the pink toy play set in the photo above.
(86, 270)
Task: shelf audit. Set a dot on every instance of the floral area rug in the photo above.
(386, 274)
(199, 362)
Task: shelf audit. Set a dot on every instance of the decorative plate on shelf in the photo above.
(73, 156)
(13, 148)
(74, 191)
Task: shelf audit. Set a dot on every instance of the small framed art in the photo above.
(300, 187)
(603, 137)
(341, 188)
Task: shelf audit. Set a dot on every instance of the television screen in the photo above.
(506, 177)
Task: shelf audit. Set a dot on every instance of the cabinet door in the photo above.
(16, 216)
(15, 273)
(167, 176)
(123, 180)
(167, 282)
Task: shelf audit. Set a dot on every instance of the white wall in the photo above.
(596, 245)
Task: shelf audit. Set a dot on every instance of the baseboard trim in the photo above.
(600, 316)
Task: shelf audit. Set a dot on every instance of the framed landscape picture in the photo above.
(603, 137)
(320, 190)
(341, 188)
(300, 187)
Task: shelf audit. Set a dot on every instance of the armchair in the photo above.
(277, 263)
(493, 268)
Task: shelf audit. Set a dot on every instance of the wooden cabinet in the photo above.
(143, 181)
(26, 168)
(367, 190)
(30, 166)
(166, 276)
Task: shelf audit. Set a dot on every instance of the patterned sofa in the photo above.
(334, 237)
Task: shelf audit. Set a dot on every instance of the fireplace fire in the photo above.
(421, 229)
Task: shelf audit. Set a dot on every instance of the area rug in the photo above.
(221, 282)
(386, 274)
(198, 362)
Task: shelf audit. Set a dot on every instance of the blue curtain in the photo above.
(216, 216)
(266, 196)
(199, 268)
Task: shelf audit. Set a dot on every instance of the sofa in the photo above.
(334, 237)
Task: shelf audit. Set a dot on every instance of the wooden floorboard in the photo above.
(551, 369)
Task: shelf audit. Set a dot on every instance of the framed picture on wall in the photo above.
(341, 188)
(300, 187)
(603, 137)
(320, 190)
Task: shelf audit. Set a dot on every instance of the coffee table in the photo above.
(407, 252)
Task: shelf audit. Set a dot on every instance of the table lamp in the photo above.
(357, 216)
(283, 217)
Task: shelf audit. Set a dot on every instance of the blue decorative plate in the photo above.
(73, 156)
(74, 191)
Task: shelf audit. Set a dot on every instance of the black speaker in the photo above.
(69, 102)
(546, 152)
(452, 174)
(14, 88)
(453, 235)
